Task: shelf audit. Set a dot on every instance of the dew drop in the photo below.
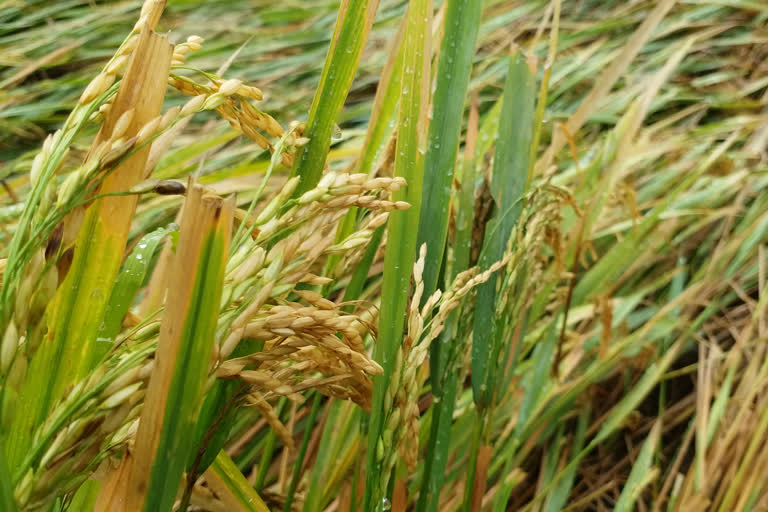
(336, 133)
(385, 505)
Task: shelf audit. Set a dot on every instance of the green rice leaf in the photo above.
(176, 389)
(302, 453)
(641, 474)
(558, 498)
(402, 227)
(232, 486)
(510, 173)
(129, 280)
(7, 501)
(536, 381)
(462, 20)
(632, 399)
(356, 283)
(352, 28)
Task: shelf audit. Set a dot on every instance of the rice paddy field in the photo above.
(383, 255)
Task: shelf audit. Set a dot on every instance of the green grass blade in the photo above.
(379, 124)
(510, 173)
(465, 200)
(402, 226)
(86, 496)
(474, 450)
(352, 28)
(536, 382)
(175, 391)
(7, 501)
(639, 476)
(128, 282)
(356, 283)
(462, 20)
(340, 427)
(385, 103)
(295, 475)
(439, 447)
(443, 352)
(489, 129)
(230, 484)
(632, 399)
(324, 453)
(719, 405)
(559, 496)
(218, 414)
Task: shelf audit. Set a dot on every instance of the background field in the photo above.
(612, 155)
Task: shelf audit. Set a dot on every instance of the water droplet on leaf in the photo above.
(336, 132)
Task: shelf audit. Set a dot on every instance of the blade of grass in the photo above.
(509, 177)
(356, 283)
(534, 383)
(86, 496)
(401, 227)
(438, 447)
(347, 444)
(352, 27)
(559, 496)
(462, 21)
(231, 486)
(465, 196)
(324, 453)
(7, 501)
(128, 282)
(474, 455)
(641, 472)
(326, 460)
(176, 387)
(216, 417)
(382, 110)
(297, 464)
(385, 102)
(444, 378)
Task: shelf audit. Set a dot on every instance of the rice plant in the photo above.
(383, 255)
